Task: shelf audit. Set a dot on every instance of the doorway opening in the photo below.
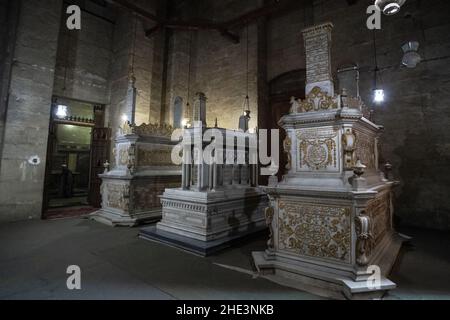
(281, 89)
(75, 158)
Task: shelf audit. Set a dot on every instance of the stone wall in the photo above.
(6, 19)
(84, 57)
(4, 8)
(218, 66)
(28, 110)
(146, 56)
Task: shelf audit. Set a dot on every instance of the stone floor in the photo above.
(116, 264)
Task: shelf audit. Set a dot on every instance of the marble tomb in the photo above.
(143, 169)
(216, 204)
(331, 215)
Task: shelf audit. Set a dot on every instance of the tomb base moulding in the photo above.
(206, 222)
(143, 169)
(331, 215)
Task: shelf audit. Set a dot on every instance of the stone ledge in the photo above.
(198, 247)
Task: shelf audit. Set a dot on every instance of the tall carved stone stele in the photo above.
(218, 201)
(332, 212)
(143, 169)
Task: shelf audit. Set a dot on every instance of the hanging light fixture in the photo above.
(246, 105)
(378, 95)
(389, 7)
(378, 92)
(62, 111)
(130, 117)
(244, 119)
(186, 122)
(411, 57)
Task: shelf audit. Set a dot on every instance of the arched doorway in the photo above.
(282, 88)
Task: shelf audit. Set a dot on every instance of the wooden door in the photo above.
(48, 167)
(100, 149)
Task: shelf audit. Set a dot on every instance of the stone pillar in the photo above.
(25, 131)
(131, 99)
(318, 58)
(215, 173)
(199, 116)
(187, 164)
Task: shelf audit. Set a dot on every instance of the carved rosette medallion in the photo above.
(146, 196)
(163, 130)
(315, 230)
(317, 150)
(372, 224)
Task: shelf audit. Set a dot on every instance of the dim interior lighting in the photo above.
(389, 7)
(378, 95)
(185, 123)
(61, 111)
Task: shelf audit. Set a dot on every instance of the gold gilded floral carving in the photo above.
(363, 226)
(318, 154)
(379, 211)
(287, 145)
(117, 196)
(269, 213)
(365, 149)
(315, 230)
(317, 100)
(163, 130)
(317, 149)
(154, 157)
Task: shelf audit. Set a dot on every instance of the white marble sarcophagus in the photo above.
(143, 169)
(218, 203)
(331, 215)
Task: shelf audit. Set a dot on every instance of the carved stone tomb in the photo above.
(331, 216)
(218, 203)
(131, 191)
